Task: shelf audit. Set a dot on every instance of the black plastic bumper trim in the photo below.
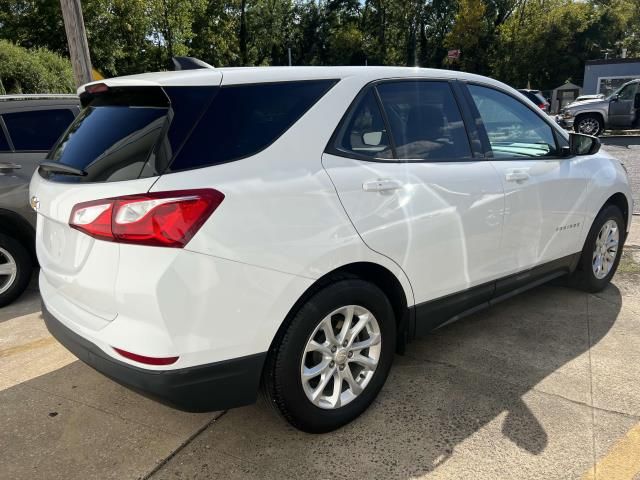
(215, 386)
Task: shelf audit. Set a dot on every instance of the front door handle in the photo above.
(517, 176)
(381, 185)
(9, 167)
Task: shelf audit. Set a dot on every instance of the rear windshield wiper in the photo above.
(62, 169)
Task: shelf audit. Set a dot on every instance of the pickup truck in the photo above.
(620, 110)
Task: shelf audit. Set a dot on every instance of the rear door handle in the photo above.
(382, 185)
(517, 176)
(9, 167)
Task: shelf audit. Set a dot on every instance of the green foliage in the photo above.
(541, 42)
(469, 34)
(33, 71)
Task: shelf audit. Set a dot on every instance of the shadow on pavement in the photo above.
(518, 369)
(28, 302)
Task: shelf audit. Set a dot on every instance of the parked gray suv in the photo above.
(620, 110)
(29, 126)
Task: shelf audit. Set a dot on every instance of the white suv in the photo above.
(206, 233)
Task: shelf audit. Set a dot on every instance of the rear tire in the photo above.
(601, 252)
(314, 341)
(16, 268)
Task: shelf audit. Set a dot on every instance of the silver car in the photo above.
(620, 110)
(29, 126)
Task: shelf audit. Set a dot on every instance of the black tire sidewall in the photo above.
(588, 279)
(24, 269)
(287, 385)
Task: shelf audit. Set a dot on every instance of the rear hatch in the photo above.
(123, 139)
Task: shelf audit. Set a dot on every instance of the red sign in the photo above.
(454, 54)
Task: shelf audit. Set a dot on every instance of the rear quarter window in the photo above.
(245, 119)
(37, 130)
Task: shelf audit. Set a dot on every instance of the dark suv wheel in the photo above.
(15, 269)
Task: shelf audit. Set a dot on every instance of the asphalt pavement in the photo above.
(627, 149)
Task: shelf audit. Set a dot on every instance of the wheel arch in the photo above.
(372, 272)
(594, 113)
(619, 199)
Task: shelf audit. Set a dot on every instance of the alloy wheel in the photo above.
(8, 270)
(606, 249)
(589, 126)
(341, 357)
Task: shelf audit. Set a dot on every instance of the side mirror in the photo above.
(372, 139)
(615, 98)
(581, 144)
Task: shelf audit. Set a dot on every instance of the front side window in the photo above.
(628, 92)
(513, 129)
(37, 129)
(424, 120)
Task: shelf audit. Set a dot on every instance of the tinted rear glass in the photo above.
(4, 145)
(37, 129)
(113, 141)
(114, 135)
(242, 120)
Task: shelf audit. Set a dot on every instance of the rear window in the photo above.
(37, 130)
(114, 135)
(243, 120)
(4, 144)
(125, 133)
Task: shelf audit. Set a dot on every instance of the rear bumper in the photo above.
(215, 386)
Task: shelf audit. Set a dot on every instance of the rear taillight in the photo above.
(162, 219)
(543, 106)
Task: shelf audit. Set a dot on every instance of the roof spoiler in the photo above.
(189, 63)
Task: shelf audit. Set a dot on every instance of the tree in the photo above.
(33, 70)
(436, 22)
(469, 34)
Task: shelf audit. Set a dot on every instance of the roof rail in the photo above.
(189, 63)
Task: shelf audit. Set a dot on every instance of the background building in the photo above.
(605, 76)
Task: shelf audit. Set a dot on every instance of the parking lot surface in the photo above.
(543, 386)
(627, 149)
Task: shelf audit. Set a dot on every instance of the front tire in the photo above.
(602, 251)
(589, 124)
(16, 268)
(333, 358)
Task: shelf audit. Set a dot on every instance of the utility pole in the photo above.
(77, 40)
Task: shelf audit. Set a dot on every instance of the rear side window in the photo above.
(37, 129)
(363, 132)
(243, 120)
(425, 121)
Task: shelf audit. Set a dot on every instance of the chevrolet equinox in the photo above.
(207, 234)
